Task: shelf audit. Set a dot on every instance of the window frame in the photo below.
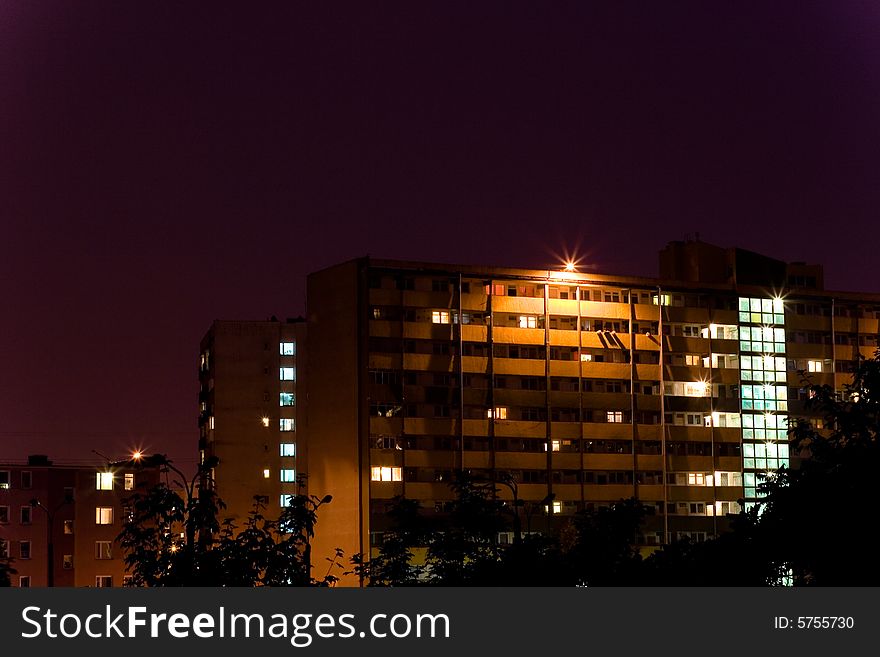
(104, 515)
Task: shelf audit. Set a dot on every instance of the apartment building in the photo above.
(59, 522)
(585, 388)
(249, 379)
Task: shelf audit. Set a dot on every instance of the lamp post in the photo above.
(505, 479)
(310, 519)
(50, 543)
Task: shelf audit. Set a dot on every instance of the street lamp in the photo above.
(50, 544)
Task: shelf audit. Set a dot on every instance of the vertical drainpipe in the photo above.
(403, 412)
(547, 398)
(712, 423)
(663, 418)
(490, 325)
(402, 371)
(460, 376)
(632, 391)
(363, 416)
(833, 349)
(580, 395)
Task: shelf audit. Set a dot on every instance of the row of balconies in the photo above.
(559, 461)
(535, 305)
(538, 367)
(647, 312)
(564, 492)
(529, 429)
(557, 337)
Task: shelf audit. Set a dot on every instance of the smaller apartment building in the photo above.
(250, 377)
(74, 512)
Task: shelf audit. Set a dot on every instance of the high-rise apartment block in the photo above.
(249, 379)
(584, 388)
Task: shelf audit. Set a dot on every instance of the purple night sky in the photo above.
(164, 165)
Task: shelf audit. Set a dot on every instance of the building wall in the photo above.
(49, 485)
(338, 457)
(71, 496)
(119, 482)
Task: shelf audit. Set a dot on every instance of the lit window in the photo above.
(103, 581)
(440, 317)
(660, 299)
(68, 526)
(286, 499)
(211, 423)
(287, 424)
(288, 475)
(698, 389)
(288, 374)
(4, 548)
(814, 365)
(586, 358)
(288, 449)
(614, 416)
(265, 421)
(528, 321)
(129, 481)
(104, 515)
(693, 360)
(105, 481)
(4, 479)
(554, 445)
(102, 550)
(385, 473)
(288, 349)
(267, 473)
(287, 399)
(499, 413)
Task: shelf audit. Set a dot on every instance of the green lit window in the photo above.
(288, 374)
(287, 399)
(287, 424)
(288, 449)
(287, 348)
(288, 475)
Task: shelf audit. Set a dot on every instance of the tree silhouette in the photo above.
(167, 537)
(814, 518)
(273, 552)
(6, 571)
(393, 565)
(172, 537)
(604, 551)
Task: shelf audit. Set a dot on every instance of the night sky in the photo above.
(163, 165)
